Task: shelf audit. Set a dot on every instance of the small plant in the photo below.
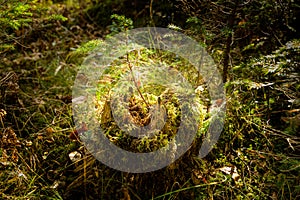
(120, 24)
(16, 16)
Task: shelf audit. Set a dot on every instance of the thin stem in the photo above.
(135, 82)
(151, 13)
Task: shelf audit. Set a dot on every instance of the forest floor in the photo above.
(41, 159)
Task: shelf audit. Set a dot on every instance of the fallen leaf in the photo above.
(75, 156)
(232, 171)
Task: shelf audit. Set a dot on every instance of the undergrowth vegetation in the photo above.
(42, 47)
